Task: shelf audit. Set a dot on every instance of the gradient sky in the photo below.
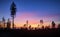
(32, 10)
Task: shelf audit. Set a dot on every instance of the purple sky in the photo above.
(32, 10)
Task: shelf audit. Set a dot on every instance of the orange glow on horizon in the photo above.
(32, 25)
(20, 20)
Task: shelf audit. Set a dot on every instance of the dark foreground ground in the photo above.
(29, 33)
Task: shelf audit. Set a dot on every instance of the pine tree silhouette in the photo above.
(58, 25)
(41, 21)
(53, 24)
(8, 23)
(3, 19)
(13, 12)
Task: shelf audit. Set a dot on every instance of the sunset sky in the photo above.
(32, 10)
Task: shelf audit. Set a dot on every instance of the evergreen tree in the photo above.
(13, 12)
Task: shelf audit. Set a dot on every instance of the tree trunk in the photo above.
(13, 22)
